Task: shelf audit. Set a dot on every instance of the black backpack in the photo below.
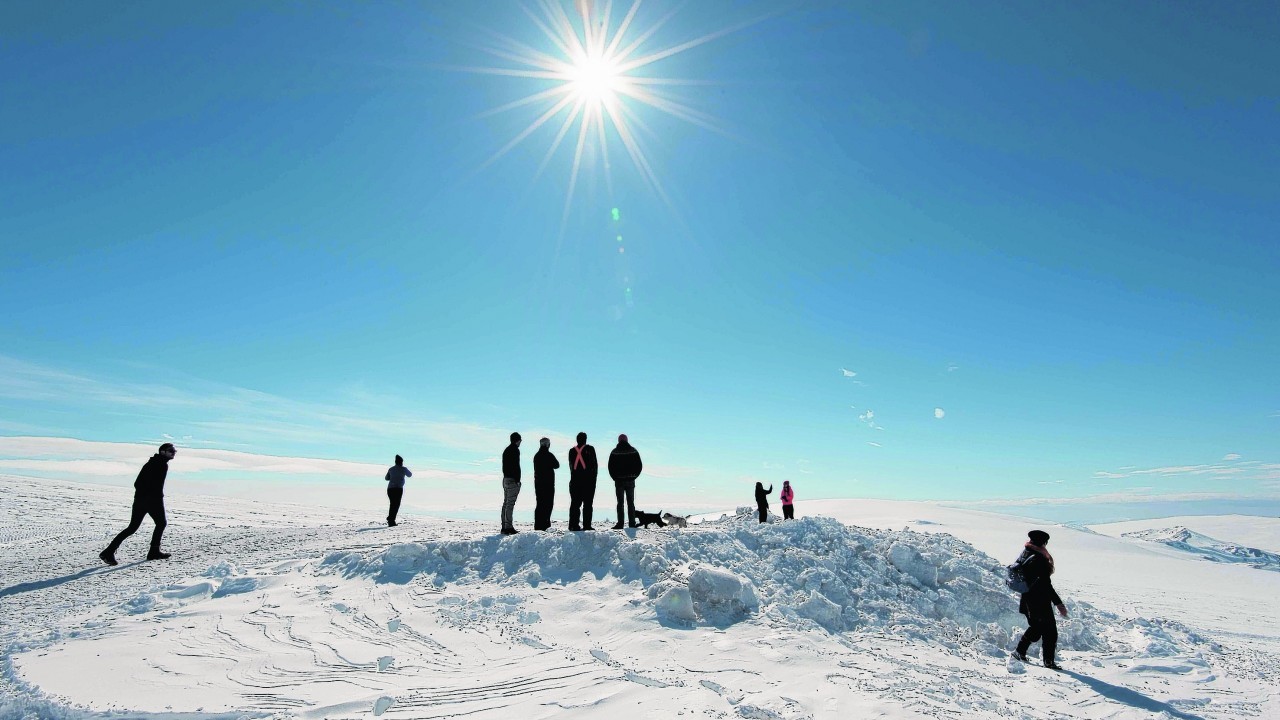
(1017, 573)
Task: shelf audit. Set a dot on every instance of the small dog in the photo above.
(675, 520)
(643, 519)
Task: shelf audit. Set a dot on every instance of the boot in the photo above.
(157, 555)
(108, 557)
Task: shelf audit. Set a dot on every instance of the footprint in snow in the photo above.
(381, 704)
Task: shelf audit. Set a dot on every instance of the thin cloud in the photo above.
(939, 413)
(1231, 456)
(241, 417)
(1251, 470)
(869, 418)
(1126, 496)
(70, 457)
(874, 444)
(847, 373)
(952, 368)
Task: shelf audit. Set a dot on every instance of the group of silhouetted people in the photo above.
(625, 466)
(1035, 563)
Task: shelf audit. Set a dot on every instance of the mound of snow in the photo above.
(1181, 538)
(811, 573)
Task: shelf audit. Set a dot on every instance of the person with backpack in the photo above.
(544, 484)
(787, 496)
(583, 469)
(148, 499)
(762, 501)
(1034, 568)
(624, 468)
(510, 484)
(395, 488)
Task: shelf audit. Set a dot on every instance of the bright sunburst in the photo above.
(593, 85)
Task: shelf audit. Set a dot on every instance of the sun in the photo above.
(596, 79)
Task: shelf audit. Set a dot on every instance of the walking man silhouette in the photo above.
(148, 499)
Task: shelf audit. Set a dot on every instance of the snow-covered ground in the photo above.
(857, 609)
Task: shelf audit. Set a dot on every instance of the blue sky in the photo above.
(1043, 240)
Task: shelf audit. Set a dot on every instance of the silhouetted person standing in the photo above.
(1038, 601)
(544, 484)
(624, 468)
(787, 496)
(583, 469)
(395, 488)
(510, 483)
(148, 499)
(762, 501)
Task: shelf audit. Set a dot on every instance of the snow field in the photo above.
(437, 618)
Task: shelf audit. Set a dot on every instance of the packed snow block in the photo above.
(676, 603)
(720, 595)
(909, 560)
(822, 611)
(402, 561)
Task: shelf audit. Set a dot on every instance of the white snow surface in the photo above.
(856, 609)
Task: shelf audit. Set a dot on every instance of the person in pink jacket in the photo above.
(787, 496)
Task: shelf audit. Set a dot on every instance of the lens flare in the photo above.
(593, 84)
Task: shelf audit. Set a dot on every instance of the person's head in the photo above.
(1038, 537)
(168, 450)
(399, 460)
(582, 438)
(545, 442)
(622, 439)
(786, 483)
(515, 438)
(759, 486)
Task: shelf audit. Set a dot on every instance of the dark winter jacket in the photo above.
(396, 475)
(150, 482)
(762, 495)
(624, 463)
(544, 466)
(588, 468)
(511, 462)
(1041, 597)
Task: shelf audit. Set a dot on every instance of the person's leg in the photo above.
(764, 513)
(394, 495)
(545, 492)
(157, 514)
(138, 512)
(588, 499)
(575, 505)
(621, 492)
(510, 491)
(1030, 636)
(1049, 635)
(631, 503)
(788, 512)
(551, 505)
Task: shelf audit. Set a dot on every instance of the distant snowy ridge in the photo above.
(804, 573)
(1181, 538)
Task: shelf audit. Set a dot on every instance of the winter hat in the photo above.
(399, 460)
(1038, 537)
(622, 439)
(545, 442)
